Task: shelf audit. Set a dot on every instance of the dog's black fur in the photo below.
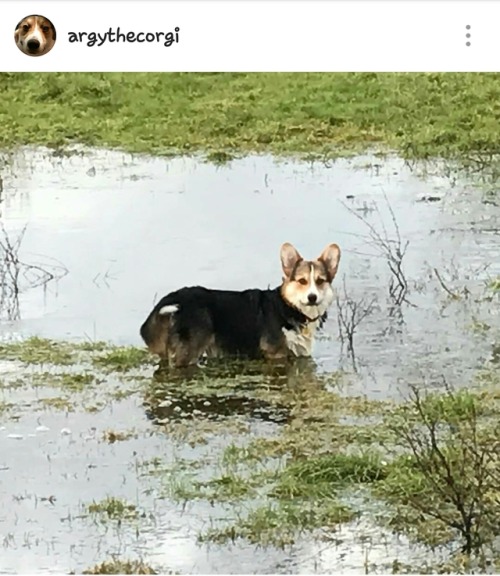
(239, 322)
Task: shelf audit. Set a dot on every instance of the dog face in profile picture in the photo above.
(35, 35)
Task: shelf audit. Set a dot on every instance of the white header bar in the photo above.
(271, 35)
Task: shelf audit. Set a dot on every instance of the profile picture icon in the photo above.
(35, 35)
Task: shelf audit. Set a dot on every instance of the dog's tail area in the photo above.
(155, 330)
(168, 309)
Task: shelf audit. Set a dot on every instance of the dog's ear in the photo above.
(289, 258)
(19, 24)
(330, 258)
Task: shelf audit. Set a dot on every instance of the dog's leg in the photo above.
(273, 350)
(155, 333)
(187, 351)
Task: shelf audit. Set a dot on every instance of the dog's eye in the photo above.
(302, 281)
(26, 27)
(45, 28)
(320, 281)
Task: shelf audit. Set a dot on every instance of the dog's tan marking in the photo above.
(273, 351)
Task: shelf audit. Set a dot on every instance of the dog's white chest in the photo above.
(300, 342)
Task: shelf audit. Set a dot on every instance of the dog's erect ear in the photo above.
(289, 258)
(331, 258)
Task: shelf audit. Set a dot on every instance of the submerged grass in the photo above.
(308, 473)
(117, 566)
(280, 524)
(333, 451)
(37, 350)
(43, 351)
(69, 376)
(300, 496)
(450, 115)
(301, 471)
(114, 509)
(123, 359)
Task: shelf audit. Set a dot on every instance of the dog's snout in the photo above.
(312, 298)
(33, 44)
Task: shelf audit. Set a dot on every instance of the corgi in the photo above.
(272, 324)
(35, 35)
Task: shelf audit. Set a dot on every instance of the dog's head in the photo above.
(35, 35)
(307, 283)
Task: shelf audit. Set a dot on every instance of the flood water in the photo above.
(130, 229)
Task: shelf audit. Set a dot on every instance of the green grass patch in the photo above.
(113, 509)
(494, 285)
(123, 359)
(226, 488)
(68, 381)
(37, 350)
(69, 376)
(43, 351)
(450, 115)
(116, 566)
(279, 524)
(323, 476)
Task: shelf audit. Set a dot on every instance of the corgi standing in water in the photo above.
(272, 324)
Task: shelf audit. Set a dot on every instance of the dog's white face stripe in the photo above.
(313, 289)
(36, 34)
(170, 309)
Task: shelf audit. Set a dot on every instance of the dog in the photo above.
(271, 324)
(35, 35)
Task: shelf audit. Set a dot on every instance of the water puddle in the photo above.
(118, 231)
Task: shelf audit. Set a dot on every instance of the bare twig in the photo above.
(456, 457)
(17, 276)
(350, 315)
(393, 250)
(444, 287)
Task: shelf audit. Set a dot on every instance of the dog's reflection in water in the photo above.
(221, 389)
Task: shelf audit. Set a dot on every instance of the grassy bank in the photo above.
(419, 115)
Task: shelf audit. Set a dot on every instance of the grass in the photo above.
(112, 436)
(121, 567)
(323, 476)
(494, 284)
(43, 351)
(445, 487)
(114, 509)
(300, 497)
(4, 407)
(424, 115)
(334, 449)
(37, 350)
(72, 376)
(311, 472)
(123, 359)
(280, 524)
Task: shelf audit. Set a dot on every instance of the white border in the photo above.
(271, 35)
